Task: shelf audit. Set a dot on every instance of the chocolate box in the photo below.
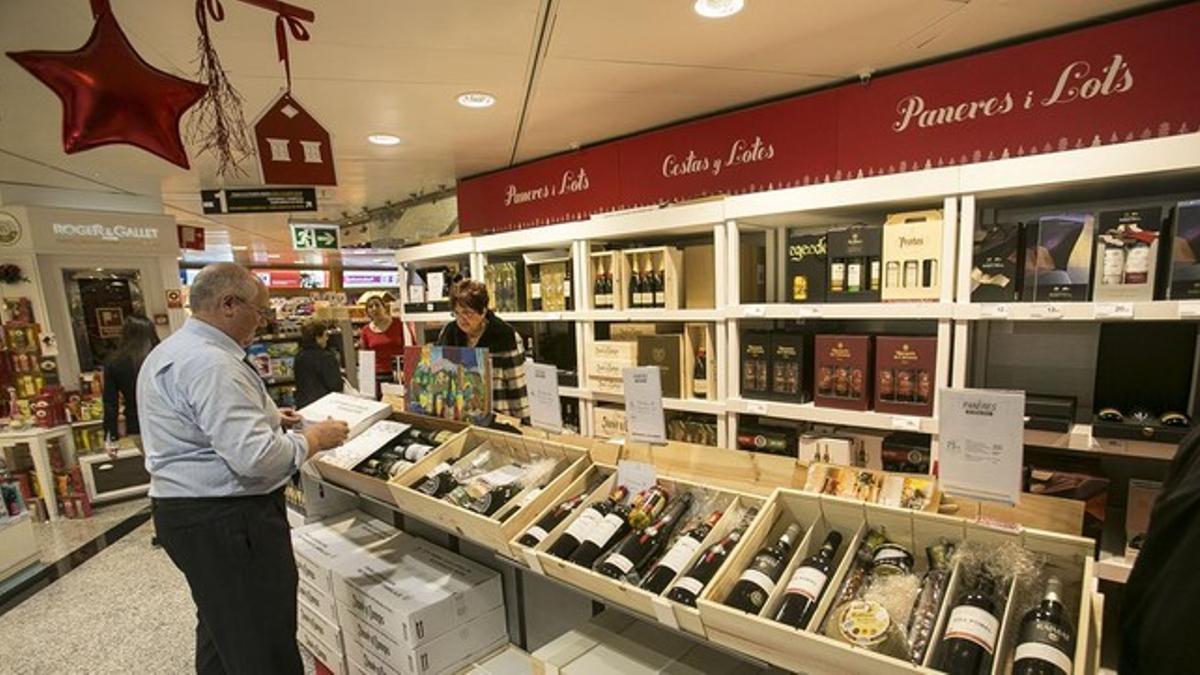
(807, 266)
(791, 367)
(842, 371)
(906, 452)
(755, 367)
(666, 352)
(1183, 256)
(1127, 254)
(1049, 413)
(855, 268)
(1142, 389)
(905, 375)
(997, 263)
(912, 257)
(1058, 258)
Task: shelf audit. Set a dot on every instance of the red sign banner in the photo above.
(1123, 81)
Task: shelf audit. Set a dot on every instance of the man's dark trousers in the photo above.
(236, 553)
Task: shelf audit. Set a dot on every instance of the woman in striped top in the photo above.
(476, 326)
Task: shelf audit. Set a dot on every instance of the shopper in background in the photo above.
(219, 453)
(384, 335)
(317, 369)
(477, 326)
(138, 337)
(1163, 590)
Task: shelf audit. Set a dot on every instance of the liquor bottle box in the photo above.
(655, 277)
(905, 374)
(1143, 391)
(700, 364)
(807, 266)
(774, 440)
(912, 256)
(791, 367)
(699, 276)
(842, 371)
(1049, 413)
(1127, 254)
(505, 280)
(755, 367)
(607, 280)
(1058, 258)
(666, 353)
(608, 422)
(996, 263)
(1183, 255)
(855, 268)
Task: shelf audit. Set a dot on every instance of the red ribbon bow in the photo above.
(288, 18)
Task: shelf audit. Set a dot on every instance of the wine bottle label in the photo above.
(680, 554)
(584, 524)
(758, 579)
(1113, 265)
(620, 562)
(537, 533)
(529, 497)
(605, 529)
(1043, 652)
(807, 581)
(1137, 265)
(690, 584)
(535, 291)
(974, 624)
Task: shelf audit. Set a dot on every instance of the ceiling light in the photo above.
(240, 248)
(718, 9)
(384, 139)
(476, 99)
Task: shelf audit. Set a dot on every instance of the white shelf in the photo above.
(535, 317)
(575, 392)
(428, 317)
(80, 425)
(1080, 439)
(849, 310)
(1113, 568)
(809, 412)
(693, 405)
(439, 250)
(1158, 310)
(652, 315)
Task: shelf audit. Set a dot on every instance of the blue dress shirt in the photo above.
(209, 428)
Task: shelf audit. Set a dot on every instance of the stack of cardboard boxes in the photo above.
(375, 600)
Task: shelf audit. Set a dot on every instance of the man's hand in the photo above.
(289, 417)
(325, 435)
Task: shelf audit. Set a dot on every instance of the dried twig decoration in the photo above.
(217, 123)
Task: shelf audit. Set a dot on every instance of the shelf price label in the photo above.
(1049, 312)
(754, 311)
(804, 312)
(994, 311)
(906, 423)
(755, 408)
(1189, 309)
(1110, 310)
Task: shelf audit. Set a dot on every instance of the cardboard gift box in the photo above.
(842, 371)
(1058, 258)
(912, 256)
(791, 367)
(505, 280)
(755, 364)
(996, 264)
(1140, 388)
(905, 374)
(666, 353)
(807, 266)
(855, 268)
(1183, 254)
(906, 452)
(1127, 254)
(1049, 413)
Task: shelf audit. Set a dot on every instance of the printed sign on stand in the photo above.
(545, 409)
(981, 434)
(366, 373)
(643, 404)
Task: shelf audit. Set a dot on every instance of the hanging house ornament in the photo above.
(293, 148)
(110, 94)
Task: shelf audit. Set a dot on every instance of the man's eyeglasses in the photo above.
(264, 313)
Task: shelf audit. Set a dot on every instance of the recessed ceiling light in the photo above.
(384, 139)
(240, 248)
(718, 9)
(476, 99)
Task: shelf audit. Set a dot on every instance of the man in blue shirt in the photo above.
(219, 454)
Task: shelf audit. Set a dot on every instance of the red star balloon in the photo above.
(111, 95)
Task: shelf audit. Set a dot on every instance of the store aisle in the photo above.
(60, 538)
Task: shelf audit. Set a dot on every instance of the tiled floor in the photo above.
(59, 538)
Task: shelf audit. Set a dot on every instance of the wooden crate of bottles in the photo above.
(518, 505)
(774, 581)
(700, 366)
(548, 285)
(607, 274)
(655, 278)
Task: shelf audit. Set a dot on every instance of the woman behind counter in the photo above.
(476, 326)
(317, 370)
(384, 335)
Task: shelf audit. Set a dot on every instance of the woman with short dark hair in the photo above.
(477, 326)
(138, 337)
(317, 370)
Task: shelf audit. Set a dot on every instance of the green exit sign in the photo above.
(315, 237)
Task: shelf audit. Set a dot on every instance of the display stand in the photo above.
(18, 545)
(38, 440)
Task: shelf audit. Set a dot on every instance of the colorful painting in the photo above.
(452, 383)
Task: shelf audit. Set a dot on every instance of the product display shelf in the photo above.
(428, 317)
(537, 317)
(1081, 439)
(88, 423)
(846, 310)
(662, 315)
(695, 405)
(850, 418)
(1157, 310)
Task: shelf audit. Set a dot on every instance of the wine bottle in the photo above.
(660, 287)
(589, 519)
(808, 583)
(438, 482)
(598, 290)
(496, 497)
(1046, 640)
(970, 638)
(635, 285)
(609, 299)
(700, 374)
(669, 566)
(641, 547)
(922, 619)
(750, 592)
(691, 585)
(535, 288)
(648, 506)
(541, 529)
(610, 530)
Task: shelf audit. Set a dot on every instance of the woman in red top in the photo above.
(384, 335)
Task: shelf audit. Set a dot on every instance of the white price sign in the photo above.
(754, 310)
(982, 442)
(1049, 312)
(1109, 310)
(644, 418)
(997, 311)
(545, 409)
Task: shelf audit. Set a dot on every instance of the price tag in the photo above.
(1109, 310)
(644, 418)
(981, 433)
(754, 310)
(554, 316)
(807, 311)
(664, 612)
(755, 408)
(545, 408)
(906, 423)
(1047, 312)
(997, 311)
(1189, 309)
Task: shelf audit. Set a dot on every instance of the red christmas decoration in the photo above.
(293, 147)
(111, 95)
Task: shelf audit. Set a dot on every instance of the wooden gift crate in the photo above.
(695, 336)
(553, 272)
(620, 592)
(376, 487)
(606, 362)
(484, 530)
(665, 258)
(616, 266)
(810, 651)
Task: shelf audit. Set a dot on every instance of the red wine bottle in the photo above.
(611, 528)
(669, 566)
(808, 583)
(691, 585)
(641, 547)
(753, 588)
(1046, 641)
(540, 530)
(970, 638)
(578, 530)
